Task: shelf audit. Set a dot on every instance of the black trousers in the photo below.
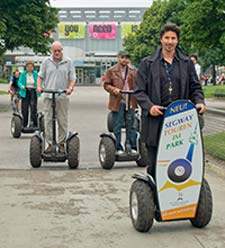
(29, 103)
(152, 155)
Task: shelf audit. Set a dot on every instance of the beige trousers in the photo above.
(62, 106)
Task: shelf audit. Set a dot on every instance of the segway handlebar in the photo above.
(163, 109)
(127, 92)
(29, 88)
(51, 91)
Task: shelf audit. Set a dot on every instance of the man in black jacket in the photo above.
(163, 77)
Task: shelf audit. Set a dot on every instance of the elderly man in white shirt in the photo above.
(56, 72)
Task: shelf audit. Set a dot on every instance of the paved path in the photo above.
(53, 207)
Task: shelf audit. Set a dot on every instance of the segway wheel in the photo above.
(73, 149)
(141, 206)
(204, 209)
(107, 153)
(143, 160)
(16, 126)
(110, 122)
(35, 152)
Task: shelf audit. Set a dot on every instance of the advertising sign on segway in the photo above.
(179, 168)
(178, 190)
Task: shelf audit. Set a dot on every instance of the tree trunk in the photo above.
(214, 74)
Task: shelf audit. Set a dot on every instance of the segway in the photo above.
(107, 145)
(179, 190)
(17, 122)
(37, 143)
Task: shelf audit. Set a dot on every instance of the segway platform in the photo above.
(58, 157)
(180, 163)
(127, 157)
(29, 129)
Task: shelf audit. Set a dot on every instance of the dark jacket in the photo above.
(114, 79)
(147, 91)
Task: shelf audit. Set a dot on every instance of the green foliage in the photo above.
(214, 145)
(204, 29)
(145, 41)
(202, 24)
(25, 23)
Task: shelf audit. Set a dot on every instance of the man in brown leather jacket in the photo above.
(121, 77)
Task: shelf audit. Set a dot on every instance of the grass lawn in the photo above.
(3, 92)
(215, 145)
(3, 81)
(210, 90)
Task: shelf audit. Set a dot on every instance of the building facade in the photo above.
(91, 37)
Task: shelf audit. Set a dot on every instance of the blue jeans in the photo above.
(121, 117)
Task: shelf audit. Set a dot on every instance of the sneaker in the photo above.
(61, 148)
(119, 152)
(48, 149)
(134, 152)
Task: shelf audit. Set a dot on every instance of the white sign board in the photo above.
(179, 168)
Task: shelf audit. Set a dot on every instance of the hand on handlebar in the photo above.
(69, 91)
(156, 110)
(39, 90)
(116, 91)
(201, 108)
(11, 92)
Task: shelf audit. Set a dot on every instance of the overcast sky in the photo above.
(101, 3)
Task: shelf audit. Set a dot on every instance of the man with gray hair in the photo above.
(56, 72)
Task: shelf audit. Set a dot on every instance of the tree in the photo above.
(145, 41)
(204, 28)
(26, 23)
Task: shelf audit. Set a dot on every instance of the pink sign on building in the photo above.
(102, 31)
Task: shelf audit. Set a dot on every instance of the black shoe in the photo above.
(149, 170)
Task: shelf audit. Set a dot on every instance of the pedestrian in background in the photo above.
(194, 59)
